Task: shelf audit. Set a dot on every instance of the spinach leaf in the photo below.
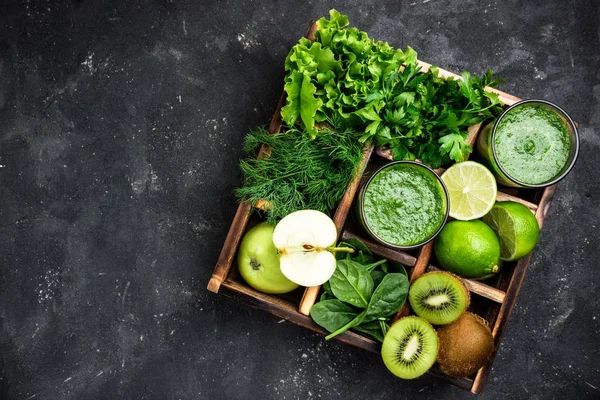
(357, 245)
(377, 276)
(383, 325)
(389, 296)
(361, 254)
(327, 293)
(387, 299)
(351, 324)
(372, 266)
(372, 329)
(352, 283)
(332, 314)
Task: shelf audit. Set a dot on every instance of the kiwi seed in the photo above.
(439, 297)
(410, 347)
(465, 345)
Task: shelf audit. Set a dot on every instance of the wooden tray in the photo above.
(492, 299)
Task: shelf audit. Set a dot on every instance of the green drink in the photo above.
(404, 204)
(532, 144)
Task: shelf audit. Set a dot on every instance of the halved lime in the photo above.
(516, 227)
(472, 190)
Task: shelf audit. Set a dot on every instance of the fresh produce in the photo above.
(470, 249)
(305, 242)
(346, 92)
(438, 297)
(350, 80)
(298, 173)
(516, 227)
(472, 190)
(403, 204)
(410, 347)
(362, 294)
(258, 261)
(465, 345)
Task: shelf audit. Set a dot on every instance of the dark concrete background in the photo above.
(120, 132)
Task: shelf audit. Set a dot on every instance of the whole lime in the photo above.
(469, 249)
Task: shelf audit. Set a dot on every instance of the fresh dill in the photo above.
(298, 173)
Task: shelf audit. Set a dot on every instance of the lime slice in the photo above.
(472, 190)
(516, 227)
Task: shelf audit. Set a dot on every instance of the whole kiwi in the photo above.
(465, 345)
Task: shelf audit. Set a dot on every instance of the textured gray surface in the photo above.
(120, 131)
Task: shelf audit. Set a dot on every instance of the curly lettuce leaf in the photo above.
(301, 102)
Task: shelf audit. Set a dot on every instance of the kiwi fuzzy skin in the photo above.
(465, 345)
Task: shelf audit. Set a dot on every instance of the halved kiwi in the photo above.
(410, 347)
(439, 297)
(465, 345)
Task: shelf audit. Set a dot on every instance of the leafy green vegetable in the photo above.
(377, 276)
(351, 80)
(368, 294)
(352, 283)
(361, 252)
(387, 299)
(332, 314)
(373, 329)
(299, 173)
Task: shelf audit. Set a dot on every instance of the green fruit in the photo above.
(465, 345)
(258, 261)
(469, 249)
(439, 297)
(516, 227)
(409, 347)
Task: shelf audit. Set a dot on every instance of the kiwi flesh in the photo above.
(409, 347)
(439, 297)
(465, 345)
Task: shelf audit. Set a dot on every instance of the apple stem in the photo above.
(340, 249)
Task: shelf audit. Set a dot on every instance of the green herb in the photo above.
(299, 173)
(427, 116)
(361, 294)
(351, 80)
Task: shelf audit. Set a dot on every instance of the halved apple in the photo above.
(305, 241)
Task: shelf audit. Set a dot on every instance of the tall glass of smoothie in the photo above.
(403, 205)
(532, 144)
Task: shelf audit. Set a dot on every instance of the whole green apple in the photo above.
(258, 261)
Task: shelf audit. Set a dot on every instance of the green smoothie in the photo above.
(404, 204)
(532, 144)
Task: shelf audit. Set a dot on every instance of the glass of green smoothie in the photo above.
(532, 144)
(403, 205)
